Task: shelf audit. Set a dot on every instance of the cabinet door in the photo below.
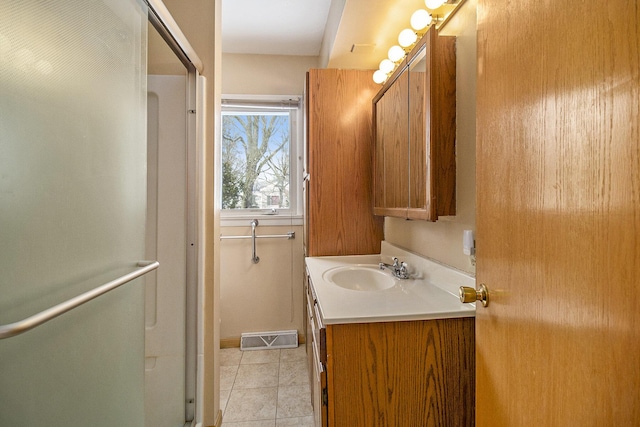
(316, 354)
(340, 148)
(319, 392)
(412, 373)
(440, 115)
(392, 150)
(309, 331)
(420, 181)
(432, 128)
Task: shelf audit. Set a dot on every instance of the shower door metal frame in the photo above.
(168, 29)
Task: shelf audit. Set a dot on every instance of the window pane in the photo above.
(255, 160)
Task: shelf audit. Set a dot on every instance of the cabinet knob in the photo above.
(468, 295)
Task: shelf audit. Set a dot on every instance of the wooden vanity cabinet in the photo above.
(411, 373)
(316, 355)
(403, 373)
(414, 133)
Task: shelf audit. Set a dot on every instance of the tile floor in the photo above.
(265, 388)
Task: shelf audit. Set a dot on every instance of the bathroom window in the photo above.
(259, 156)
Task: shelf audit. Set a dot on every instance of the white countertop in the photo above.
(431, 293)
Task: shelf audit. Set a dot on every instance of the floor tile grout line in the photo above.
(278, 386)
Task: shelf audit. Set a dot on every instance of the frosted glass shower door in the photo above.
(72, 209)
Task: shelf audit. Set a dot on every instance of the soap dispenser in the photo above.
(469, 245)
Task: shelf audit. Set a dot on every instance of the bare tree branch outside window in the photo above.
(255, 160)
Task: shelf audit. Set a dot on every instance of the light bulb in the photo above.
(407, 37)
(379, 77)
(420, 19)
(396, 53)
(433, 4)
(386, 66)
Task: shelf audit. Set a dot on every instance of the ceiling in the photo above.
(297, 27)
(274, 27)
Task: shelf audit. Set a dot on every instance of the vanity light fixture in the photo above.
(434, 4)
(379, 77)
(387, 66)
(407, 37)
(420, 19)
(396, 53)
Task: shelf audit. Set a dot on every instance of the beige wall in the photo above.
(266, 296)
(442, 240)
(265, 74)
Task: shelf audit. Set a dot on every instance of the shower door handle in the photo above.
(12, 329)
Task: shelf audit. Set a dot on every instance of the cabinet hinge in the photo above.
(325, 397)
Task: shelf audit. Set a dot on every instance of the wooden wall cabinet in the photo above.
(414, 133)
(412, 374)
(339, 218)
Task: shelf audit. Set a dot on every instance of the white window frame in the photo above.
(293, 214)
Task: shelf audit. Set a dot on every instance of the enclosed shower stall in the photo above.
(76, 227)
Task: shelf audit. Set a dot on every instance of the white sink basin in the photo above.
(360, 278)
(340, 285)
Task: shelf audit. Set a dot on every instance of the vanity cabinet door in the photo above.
(411, 373)
(308, 306)
(319, 391)
(316, 355)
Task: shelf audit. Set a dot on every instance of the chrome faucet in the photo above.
(398, 269)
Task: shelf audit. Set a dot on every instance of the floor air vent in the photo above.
(268, 340)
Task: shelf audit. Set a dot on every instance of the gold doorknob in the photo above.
(468, 294)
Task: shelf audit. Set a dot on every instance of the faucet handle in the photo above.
(404, 270)
(396, 262)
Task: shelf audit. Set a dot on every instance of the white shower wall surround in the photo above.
(165, 296)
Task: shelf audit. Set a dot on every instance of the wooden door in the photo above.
(558, 213)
